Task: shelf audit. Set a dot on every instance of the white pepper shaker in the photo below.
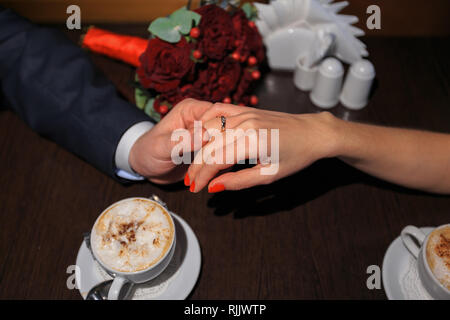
(328, 84)
(357, 85)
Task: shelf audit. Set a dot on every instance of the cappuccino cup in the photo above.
(133, 240)
(432, 252)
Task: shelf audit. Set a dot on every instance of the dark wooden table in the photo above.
(309, 236)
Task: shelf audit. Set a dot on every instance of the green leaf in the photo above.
(196, 17)
(182, 19)
(149, 105)
(150, 111)
(250, 11)
(140, 97)
(165, 29)
(170, 29)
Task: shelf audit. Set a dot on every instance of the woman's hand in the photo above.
(292, 143)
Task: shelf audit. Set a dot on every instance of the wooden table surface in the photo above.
(309, 236)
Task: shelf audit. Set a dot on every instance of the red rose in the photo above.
(172, 97)
(217, 80)
(248, 40)
(164, 64)
(216, 32)
(244, 84)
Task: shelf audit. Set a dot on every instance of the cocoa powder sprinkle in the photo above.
(442, 249)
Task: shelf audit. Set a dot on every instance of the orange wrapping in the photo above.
(117, 46)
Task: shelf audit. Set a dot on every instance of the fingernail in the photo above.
(192, 188)
(186, 180)
(206, 136)
(218, 187)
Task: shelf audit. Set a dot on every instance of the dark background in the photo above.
(398, 17)
(309, 236)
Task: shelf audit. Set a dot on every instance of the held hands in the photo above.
(279, 144)
(150, 156)
(292, 143)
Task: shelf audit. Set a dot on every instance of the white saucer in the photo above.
(175, 283)
(400, 277)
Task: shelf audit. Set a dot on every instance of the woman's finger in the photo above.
(200, 161)
(232, 122)
(223, 109)
(219, 155)
(241, 179)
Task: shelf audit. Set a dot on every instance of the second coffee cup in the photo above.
(433, 258)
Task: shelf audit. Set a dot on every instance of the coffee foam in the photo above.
(438, 254)
(132, 235)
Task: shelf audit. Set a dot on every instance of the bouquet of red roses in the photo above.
(208, 54)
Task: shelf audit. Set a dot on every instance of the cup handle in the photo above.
(408, 234)
(116, 287)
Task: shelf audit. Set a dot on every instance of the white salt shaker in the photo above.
(355, 93)
(327, 87)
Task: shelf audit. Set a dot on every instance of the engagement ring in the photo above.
(224, 122)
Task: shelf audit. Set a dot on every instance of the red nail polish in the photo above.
(192, 188)
(218, 187)
(186, 180)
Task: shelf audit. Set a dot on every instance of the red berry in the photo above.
(254, 100)
(195, 33)
(156, 105)
(186, 88)
(236, 56)
(241, 104)
(197, 54)
(256, 74)
(251, 24)
(163, 109)
(252, 61)
(227, 100)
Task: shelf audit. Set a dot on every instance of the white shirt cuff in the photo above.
(124, 147)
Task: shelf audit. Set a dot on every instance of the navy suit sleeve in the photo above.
(52, 85)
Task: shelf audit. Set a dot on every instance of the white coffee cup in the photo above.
(416, 243)
(141, 276)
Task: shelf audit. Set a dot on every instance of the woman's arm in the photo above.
(412, 158)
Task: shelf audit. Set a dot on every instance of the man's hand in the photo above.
(150, 156)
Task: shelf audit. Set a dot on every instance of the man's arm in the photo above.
(51, 84)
